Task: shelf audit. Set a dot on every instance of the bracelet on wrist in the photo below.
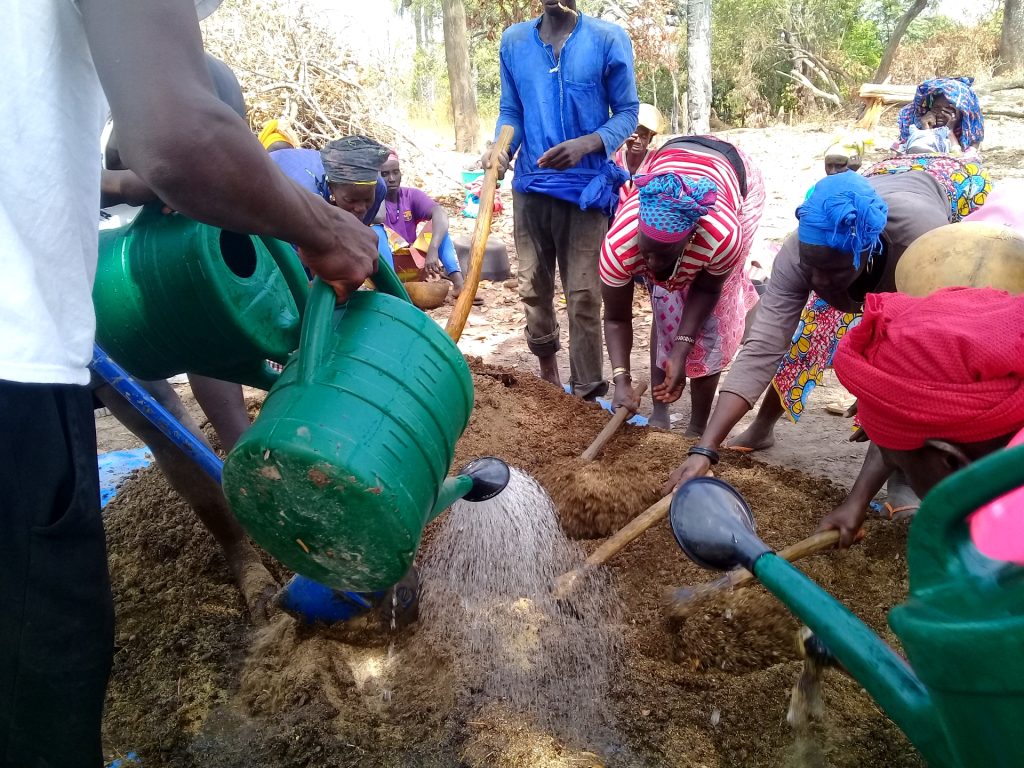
(686, 339)
(708, 453)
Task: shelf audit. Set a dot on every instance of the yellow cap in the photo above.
(849, 145)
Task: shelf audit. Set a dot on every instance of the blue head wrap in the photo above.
(671, 205)
(844, 212)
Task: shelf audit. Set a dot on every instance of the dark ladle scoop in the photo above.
(713, 525)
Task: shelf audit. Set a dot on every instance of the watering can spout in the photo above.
(479, 480)
(714, 527)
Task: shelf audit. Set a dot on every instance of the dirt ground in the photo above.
(195, 684)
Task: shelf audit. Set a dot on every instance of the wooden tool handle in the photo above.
(811, 545)
(741, 577)
(620, 418)
(464, 304)
(616, 543)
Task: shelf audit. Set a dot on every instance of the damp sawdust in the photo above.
(195, 684)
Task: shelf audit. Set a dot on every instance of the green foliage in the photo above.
(926, 27)
(751, 61)
(863, 44)
(487, 73)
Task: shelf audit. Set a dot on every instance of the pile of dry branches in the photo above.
(291, 65)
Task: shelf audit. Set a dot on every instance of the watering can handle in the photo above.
(316, 323)
(939, 549)
(287, 261)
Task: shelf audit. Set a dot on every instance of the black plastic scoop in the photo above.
(713, 525)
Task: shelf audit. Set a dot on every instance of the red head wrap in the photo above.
(949, 366)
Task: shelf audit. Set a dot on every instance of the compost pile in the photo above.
(195, 684)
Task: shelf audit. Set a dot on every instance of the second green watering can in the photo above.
(347, 461)
(175, 296)
(960, 699)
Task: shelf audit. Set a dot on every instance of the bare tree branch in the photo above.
(798, 78)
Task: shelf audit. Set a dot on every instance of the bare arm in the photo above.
(438, 229)
(193, 151)
(752, 371)
(849, 516)
(118, 187)
(704, 294)
(618, 336)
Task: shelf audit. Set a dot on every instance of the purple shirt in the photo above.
(413, 206)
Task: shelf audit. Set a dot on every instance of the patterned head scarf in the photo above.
(671, 205)
(960, 94)
(845, 213)
(353, 160)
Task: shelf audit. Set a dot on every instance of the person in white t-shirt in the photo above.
(62, 56)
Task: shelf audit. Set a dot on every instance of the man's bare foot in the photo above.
(660, 416)
(754, 438)
(549, 370)
(254, 581)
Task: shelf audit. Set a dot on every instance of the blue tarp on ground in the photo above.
(115, 466)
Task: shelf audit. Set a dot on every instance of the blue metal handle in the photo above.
(118, 378)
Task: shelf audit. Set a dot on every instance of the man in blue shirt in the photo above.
(568, 90)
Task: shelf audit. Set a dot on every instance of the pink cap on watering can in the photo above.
(997, 529)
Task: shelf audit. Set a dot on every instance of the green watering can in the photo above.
(961, 698)
(174, 296)
(347, 460)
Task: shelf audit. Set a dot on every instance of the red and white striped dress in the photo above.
(720, 245)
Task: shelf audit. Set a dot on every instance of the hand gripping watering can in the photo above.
(960, 700)
(347, 460)
(174, 296)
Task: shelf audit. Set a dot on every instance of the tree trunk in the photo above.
(698, 43)
(897, 35)
(456, 53)
(1011, 46)
(675, 101)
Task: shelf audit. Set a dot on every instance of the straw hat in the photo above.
(651, 118)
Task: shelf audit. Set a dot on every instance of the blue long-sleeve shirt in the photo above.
(591, 88)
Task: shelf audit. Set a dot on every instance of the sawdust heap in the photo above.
(593, 499)
(193, 687)
(596, 498)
